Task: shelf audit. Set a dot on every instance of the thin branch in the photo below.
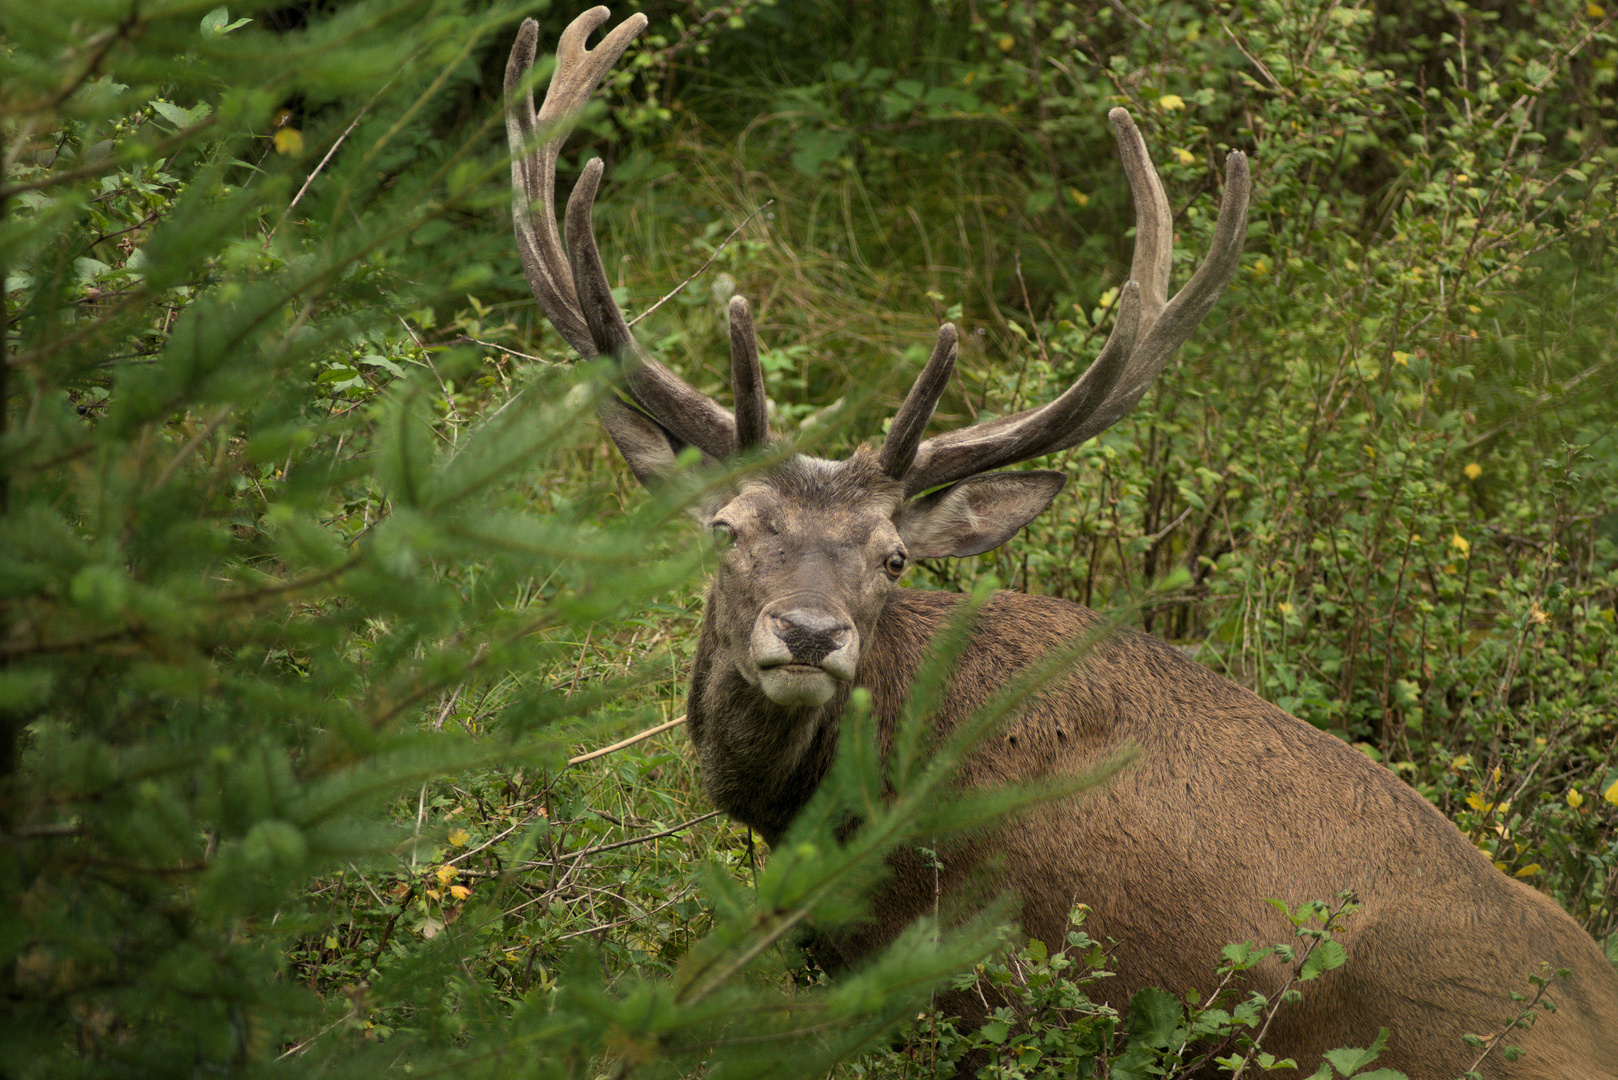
(9, 651)
(1255, 61)
(190, 447)
(289, 586)
(1550, 74)
(632, 740)
(627, 919)
(323, 161)
(1028, 306)
(699, 271)
(465, 340)
(1523, 1019)
(574, 856)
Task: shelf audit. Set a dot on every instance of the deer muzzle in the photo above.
(802, 654)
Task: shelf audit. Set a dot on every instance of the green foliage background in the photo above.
(315, 569)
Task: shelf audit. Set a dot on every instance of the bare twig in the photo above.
(627, 919)
(631, 741)
(501, 348)
(1524, 1018)
(325, 160)
(699, 271)
(191, 445)
(574, 856)
(1255, 61)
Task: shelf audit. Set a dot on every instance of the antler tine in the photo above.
(1007, 440)
(1183, 314)
(1154, 221)
(536, 140)
(574, 291)
(1148, 331)
(686, 413)
(747, 379)
(904, 434)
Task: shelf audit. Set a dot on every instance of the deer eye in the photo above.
(723, 535)
(896, 563)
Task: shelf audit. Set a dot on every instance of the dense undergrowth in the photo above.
(316, 571)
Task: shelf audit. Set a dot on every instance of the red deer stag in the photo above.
(1232, 802)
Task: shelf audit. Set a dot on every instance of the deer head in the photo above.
(812, 548)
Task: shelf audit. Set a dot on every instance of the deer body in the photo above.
(1232, 802)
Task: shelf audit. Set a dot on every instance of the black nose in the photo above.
(810, 635)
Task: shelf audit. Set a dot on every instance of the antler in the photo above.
(1148, 330)
(571, 286)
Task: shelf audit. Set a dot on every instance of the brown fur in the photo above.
(1232, 803)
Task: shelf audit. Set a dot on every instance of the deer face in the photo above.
(810, 552)
(808, 555)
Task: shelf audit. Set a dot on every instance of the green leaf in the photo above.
(373, 360)
(1328, 954)
(1349, 1060)
(181, 118)
(217, 23)
(1154, 1017)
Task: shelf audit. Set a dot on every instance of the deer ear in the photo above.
(976, 515)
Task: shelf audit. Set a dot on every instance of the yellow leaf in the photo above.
(1079, 198)
(1497, 774)
(1461, 761)
(1528, 871)
(1611, 794)
(460, 892)
(1005, 42)
(1473, 470)
(1574, 799)
(1259, 267)
(446, 874)
(1402, 359)
(289, 140)
(1461, 544)
(1475, 801)
(459, 837)
(1185, 157)
(331, 941)
(1536, 614)
(1595, 11)
(1500, 866)
(1170, 102)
